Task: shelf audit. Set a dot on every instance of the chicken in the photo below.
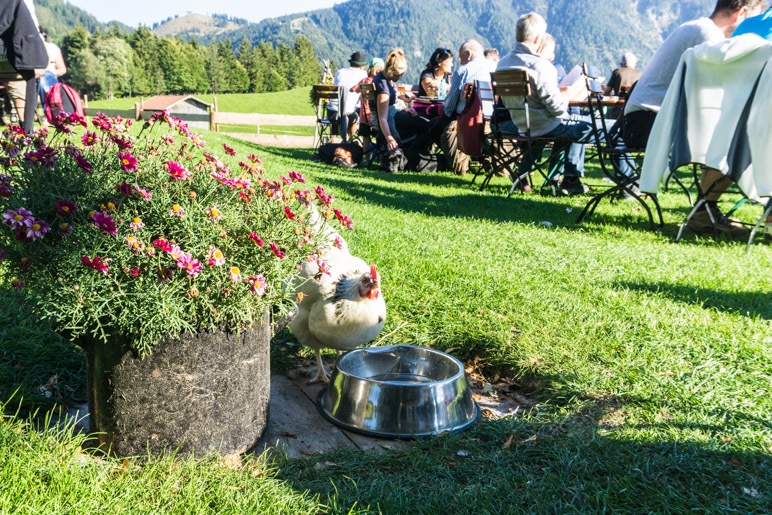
(341, 308)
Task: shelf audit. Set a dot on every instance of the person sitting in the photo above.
(646, 100)
(473, 67)
(548, 108)
(395, 125)
(365, 109)
(435, 78)
(623, 78)
(346, 78)
(492, 55)
(56, 67)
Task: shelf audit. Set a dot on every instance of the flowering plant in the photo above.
(111, 230)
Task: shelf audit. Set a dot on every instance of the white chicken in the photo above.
(340, 308)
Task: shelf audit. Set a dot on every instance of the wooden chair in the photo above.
(321, 94)
(611, 154)
(512, 87)
(367, 94)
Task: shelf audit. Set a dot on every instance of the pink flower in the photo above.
(190, 265)
(338, 242)
(105, 223)
(136, 246)
(18, 219)
(256, 284)
(258, 241)
(235, 274)
(145, 194)
(276, 250)
(133, 272)
(177, 171)
(176, 253)
(214, 213)
(322, 196)
(83, 163)
(254, 158)
(65, 208)
(89, 138)
(127, 161)
(97, 264)
(228, 150)
(215, 257)
(176, 210)
(344, 220)
(288, 213)
(37, 229)
(136, 224)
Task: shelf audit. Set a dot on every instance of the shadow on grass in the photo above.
(752, 304)
(588, 461)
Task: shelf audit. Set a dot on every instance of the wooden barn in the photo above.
(191, 109)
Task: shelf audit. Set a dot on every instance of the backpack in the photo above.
(61, 98)
(471, 124)
(345, 155)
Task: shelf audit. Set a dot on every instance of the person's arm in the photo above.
(429, 84)
(454, 95)
(382, 108)
(61, 68)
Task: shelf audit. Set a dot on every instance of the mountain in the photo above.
(197, 25)
(59, 17)
(597, 31)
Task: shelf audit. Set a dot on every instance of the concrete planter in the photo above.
(198, 394)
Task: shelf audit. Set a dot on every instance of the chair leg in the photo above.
(755, 229)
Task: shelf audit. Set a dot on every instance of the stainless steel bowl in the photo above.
(398, 391)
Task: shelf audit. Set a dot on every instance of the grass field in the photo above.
(644, 367)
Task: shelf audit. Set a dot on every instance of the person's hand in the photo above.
(391, 143)
(411, 111)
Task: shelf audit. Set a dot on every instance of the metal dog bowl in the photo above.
(398, 391)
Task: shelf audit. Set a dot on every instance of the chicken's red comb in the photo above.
(374, 273)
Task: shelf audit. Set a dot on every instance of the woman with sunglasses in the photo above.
(436, 77)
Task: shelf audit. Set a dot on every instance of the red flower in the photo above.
(254, 237)
(105, 222)
(288, 213)
(276, 250)
(97, 264)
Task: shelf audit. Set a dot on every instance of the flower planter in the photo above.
(196, 394)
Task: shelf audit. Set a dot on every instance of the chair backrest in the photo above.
(367, 94)
(512, 88)
(321, 94)
(595, 105)
(487, 98)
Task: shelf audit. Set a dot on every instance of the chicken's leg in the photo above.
(321, 373)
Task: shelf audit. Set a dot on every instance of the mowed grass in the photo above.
(643, 367)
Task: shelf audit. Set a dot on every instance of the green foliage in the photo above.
(147, 236)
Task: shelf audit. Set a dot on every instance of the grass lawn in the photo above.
(644, 367)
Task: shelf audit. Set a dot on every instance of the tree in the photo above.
(308, 69)
(115, 61)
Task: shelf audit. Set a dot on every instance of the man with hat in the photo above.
(347, 78)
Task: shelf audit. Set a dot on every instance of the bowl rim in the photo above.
(460, 374)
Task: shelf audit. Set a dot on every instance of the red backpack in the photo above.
(471, 123)
(62, 98)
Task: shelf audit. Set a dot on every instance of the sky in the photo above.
(148, 12)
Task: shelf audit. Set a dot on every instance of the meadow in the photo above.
(642, 367)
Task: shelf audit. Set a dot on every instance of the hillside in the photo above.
(58, 17)
(195, 25)
(594, 30)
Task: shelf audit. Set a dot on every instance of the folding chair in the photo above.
(513, 88)
(321, 95)
(375, 151)
(611, 155)
(481, 156)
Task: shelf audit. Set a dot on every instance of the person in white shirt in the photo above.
(347, 78)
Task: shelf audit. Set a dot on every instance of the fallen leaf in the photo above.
(531, 438)
(508, 443)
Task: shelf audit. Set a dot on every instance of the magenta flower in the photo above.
(228, 150)
(65, 208)
(97, 264)
(6, 188)
(83, 163)
(297, 177)
(89, 139)
(177, 171)
(105, 223)
(276, 250)
(37, 229)
(18, 219)
(258, 241)
(162, 244)
(145, 194)
(344, 220)
(288, 213)
(257, 284)
(322, 196)
(215, 257)
(338, 242)
(128, 162)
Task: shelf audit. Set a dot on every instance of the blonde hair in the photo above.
(547, 46)
(395, 62)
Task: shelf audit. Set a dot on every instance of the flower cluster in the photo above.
(118, 229)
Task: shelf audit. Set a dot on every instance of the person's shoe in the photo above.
(629, 193)
(700, 224)
(573, 186)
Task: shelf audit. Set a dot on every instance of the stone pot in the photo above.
(194, 394)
